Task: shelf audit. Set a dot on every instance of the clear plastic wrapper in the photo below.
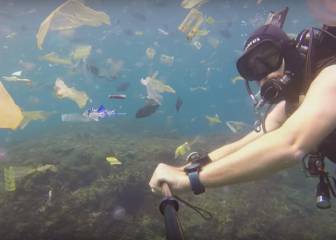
(191, 23)
(74, 117)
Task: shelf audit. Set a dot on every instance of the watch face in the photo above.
(193, 167)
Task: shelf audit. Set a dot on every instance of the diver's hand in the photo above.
(175, 177)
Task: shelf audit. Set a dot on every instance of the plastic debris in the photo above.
(169, 60)
(213, 120)
(210, 20)
(117, 96)
(163, 32)
(236, 78)
(11, 114)
(139, 33)
(202, 32)
(192, 3)
(182, 150)
(113, 160)
(81, 52)
(96, 114)
(63, 91)
(191, 23)
(214, 42)
(116, 66)
(54, 58)
(14, 78)
(197, 44)
(9, 179)
(236, 126)
(74, 117)
(150, 53)
(34, 116)
(155, 87)
(70, 15)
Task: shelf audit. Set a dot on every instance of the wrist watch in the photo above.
(193, 169)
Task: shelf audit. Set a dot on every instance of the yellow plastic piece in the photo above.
(81, 52)
(210, 20)
(138, 33)
(63, 91)
(213, 120)
(113, 160)
(182, 150)
(33, 116)
(9, 179)
(54, 58)
(192, 3)
(191, 23)
(11, 114)
(236, 78)
(202, 32)
(71, 14)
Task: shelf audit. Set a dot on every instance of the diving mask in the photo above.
(257, 62)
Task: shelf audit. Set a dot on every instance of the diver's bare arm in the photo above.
(281, 148)
(274, 120)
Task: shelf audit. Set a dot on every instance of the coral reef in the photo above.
(67, 190)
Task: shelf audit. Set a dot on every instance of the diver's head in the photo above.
(270, 57)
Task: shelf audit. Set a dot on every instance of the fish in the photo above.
(123, 86)
(117, 96)
(178, 104)
(148, 109)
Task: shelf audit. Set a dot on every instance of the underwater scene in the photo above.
(95, 94)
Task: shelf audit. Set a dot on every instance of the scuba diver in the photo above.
(297, 82)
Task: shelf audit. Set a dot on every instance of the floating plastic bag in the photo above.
(63, 91)
(81, 52)
(11, 115)
(191, 23)
(71, 14)
(155, 87)
(213, 120)
(54, 58)
(192, 3)
(34, 116)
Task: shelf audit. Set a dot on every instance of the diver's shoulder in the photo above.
(328, 72)
(326, 78)
(331, 69)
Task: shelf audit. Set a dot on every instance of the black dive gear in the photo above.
(193, 169)
(314, 166)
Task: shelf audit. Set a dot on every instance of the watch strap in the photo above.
(196, 185)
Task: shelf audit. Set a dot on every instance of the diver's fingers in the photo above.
(157, 179)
